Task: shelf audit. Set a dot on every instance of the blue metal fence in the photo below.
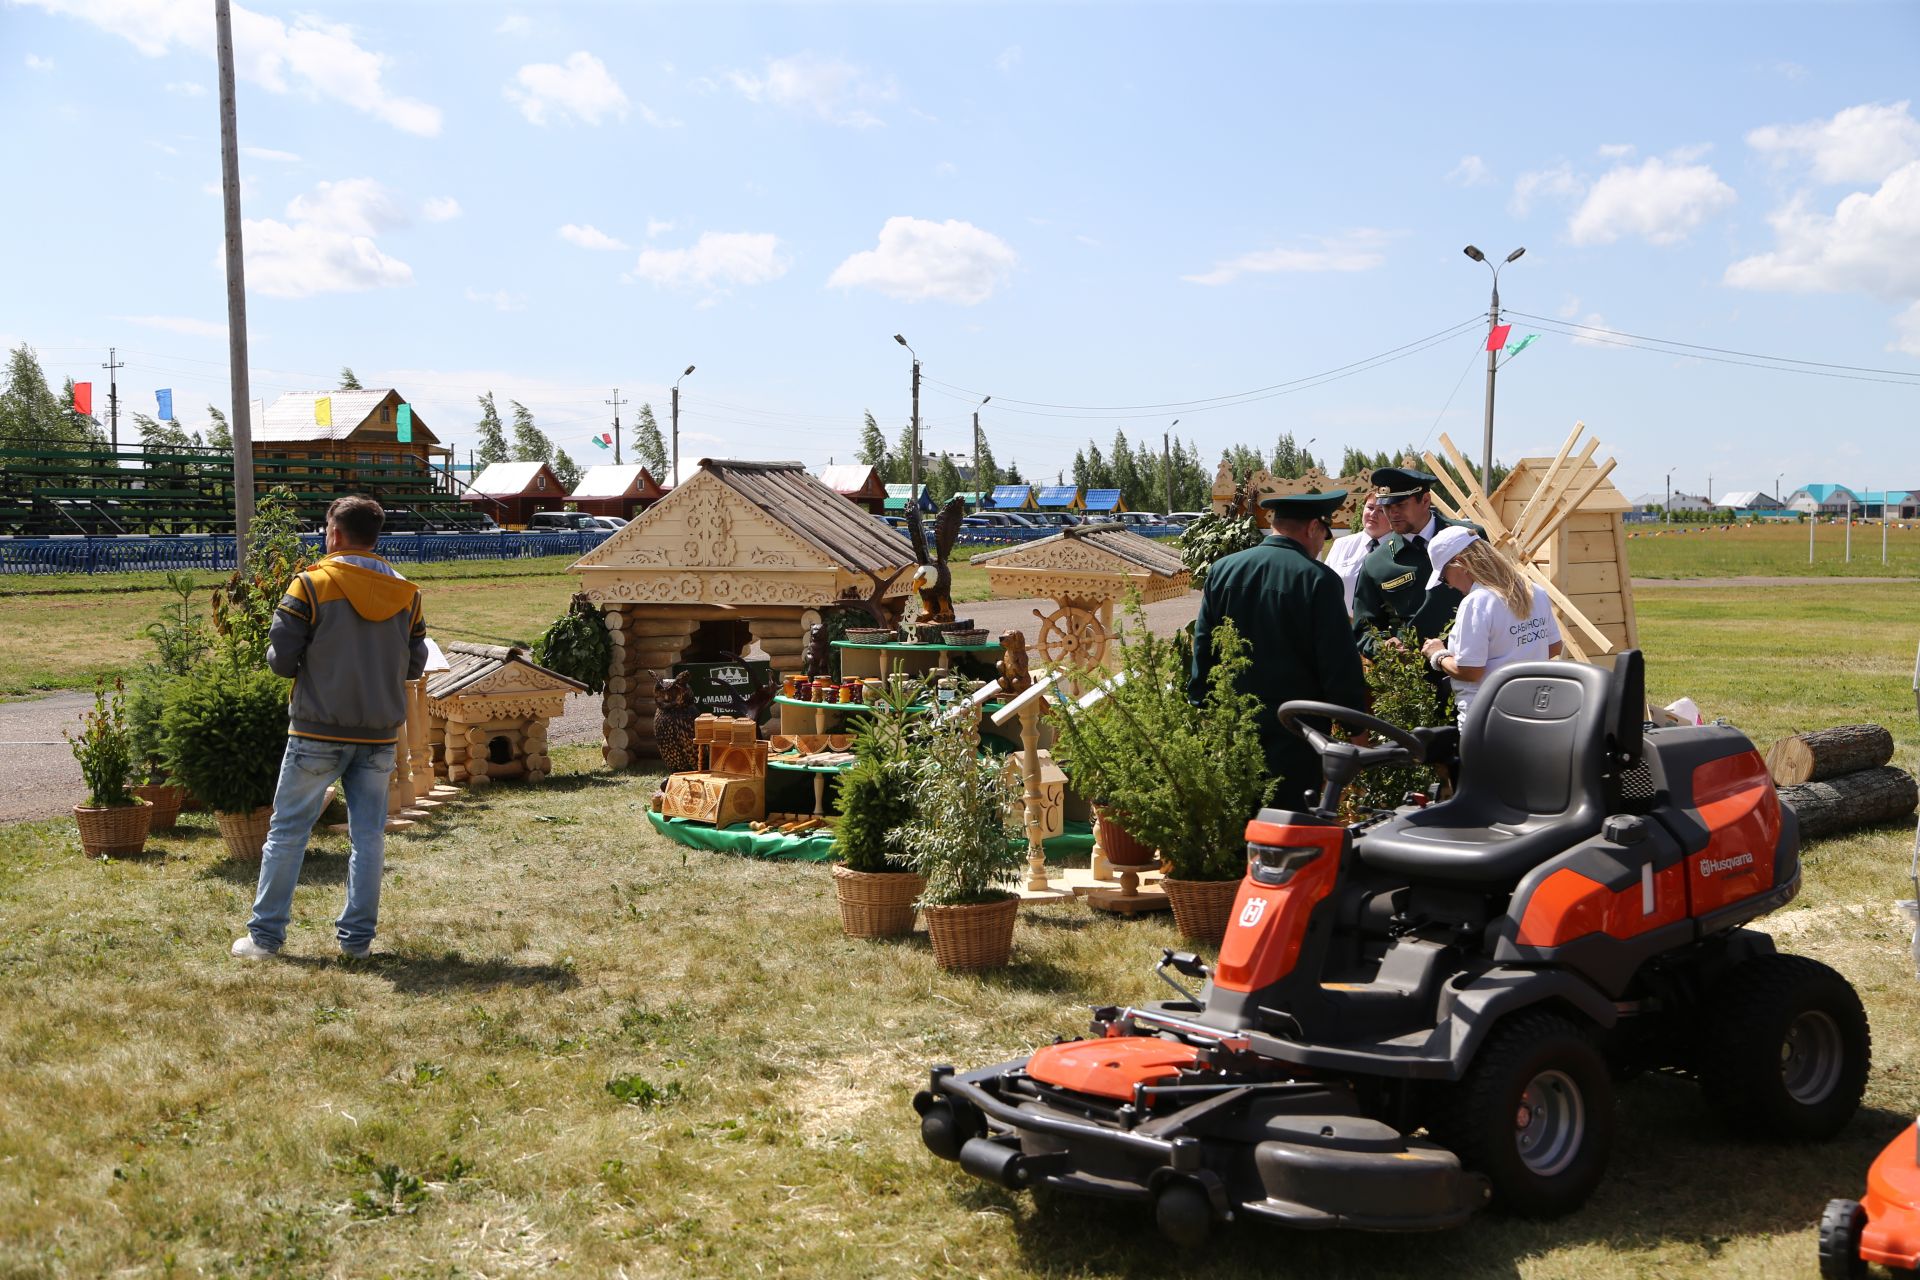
(1002, 536)
(215, 552)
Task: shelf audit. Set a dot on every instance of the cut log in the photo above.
(1829, 753)
(1852, 800)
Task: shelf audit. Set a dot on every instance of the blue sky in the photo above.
(1065, 205)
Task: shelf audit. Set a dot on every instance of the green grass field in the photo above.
(588, 1051)
(1771, 550)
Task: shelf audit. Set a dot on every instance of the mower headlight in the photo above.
(1275, 864)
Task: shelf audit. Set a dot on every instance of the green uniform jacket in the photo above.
(1391, 592)
(1292, 612)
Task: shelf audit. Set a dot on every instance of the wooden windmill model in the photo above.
(1529, 537)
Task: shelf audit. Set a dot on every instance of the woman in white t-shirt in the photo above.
(1502, 619)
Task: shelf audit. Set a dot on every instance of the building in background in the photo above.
(511, 492)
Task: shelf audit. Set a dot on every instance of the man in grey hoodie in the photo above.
(349, 632)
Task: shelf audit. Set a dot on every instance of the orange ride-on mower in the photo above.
(1422, 1013)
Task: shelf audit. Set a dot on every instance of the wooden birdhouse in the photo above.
(487, 714)
(1052, 808)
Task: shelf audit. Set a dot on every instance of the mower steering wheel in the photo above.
(1290, 713)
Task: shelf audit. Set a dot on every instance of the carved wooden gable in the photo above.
(1107, 563)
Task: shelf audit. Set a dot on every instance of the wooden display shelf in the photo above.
(862, 660)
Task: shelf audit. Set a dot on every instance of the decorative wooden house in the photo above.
(616, 489)
(1086, 569)
(1104, 502)
(1585, 557)
(511, 492)
(901, 496)
(1058, 497)
(743, 553)
(487, 714)
(363, 427)
(858, 484)
(1013, 497)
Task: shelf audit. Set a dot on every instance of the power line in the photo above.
(1693, 346)
(1592, 333)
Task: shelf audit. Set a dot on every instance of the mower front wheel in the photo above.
(1840, 1228)
(1534, 1113)
(1785, 1048)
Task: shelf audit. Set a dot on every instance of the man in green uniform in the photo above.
(1291, 609)
(1391, 592)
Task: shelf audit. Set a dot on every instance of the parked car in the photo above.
(1053, 519)
(1183, 518)
(561, 522)
(612, 524)
(998, 520)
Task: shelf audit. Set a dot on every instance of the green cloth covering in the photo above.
(817, 845)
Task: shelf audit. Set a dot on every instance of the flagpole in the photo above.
(1493, 354)
(242, 423)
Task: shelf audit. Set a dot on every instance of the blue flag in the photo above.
(165, 396)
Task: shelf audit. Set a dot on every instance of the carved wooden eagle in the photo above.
(933, 579)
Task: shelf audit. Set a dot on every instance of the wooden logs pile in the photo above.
(646, 641)
(1839, 778)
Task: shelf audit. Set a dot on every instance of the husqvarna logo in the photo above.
(1542, 697)
(1712, 866)
(1251, 913)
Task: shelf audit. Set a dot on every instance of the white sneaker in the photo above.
(245, 948)
(348, 953)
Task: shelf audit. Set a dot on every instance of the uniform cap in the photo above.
(1306, 506)
(1394, 483)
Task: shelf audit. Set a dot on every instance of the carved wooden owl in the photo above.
(673, 716)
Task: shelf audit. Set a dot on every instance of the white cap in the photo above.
(1447, 544)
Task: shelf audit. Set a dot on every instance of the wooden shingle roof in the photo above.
(787, 494)
(468, 664)
(1137, 552)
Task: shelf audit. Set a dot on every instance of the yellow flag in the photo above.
(323, 411)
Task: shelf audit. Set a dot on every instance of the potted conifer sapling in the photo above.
(113, 821)
(959, 838)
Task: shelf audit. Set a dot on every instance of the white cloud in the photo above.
(1470, 172)
(356, 206)
(716, 260)
(1789, 70)
(498, 299)
(1559, 183)
(1661, 201)
(945, 169)
(1587, 338)
(186, 88)
(1354, 251)
(514, 24)
(1009, 59)
(322, 59)
(588, 236)
(916, 258)
(1868, 244)
(580, 89)
(268, 153)
(1616, 150)
(656, 226)
(1908, 326)
(440, 209)
(1860, 144)
(326, 245)
(37, 63)
(179, 324)
(837, 92)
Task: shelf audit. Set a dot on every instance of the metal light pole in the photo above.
(913, 465)
(676, 426)
(1493, 322)
(1666, 512)
(1166, 462)
(1776, 485)
(242, 422)
(978, 478)
(1849, 552)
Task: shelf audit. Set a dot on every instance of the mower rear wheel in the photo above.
(1785, 1048)
(1840, 1228)
(1534, 1113)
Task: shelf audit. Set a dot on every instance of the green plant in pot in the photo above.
(113, 820)
(1186, 775)
(875, 888)
(146, 702)
(226, 729)
(960, 839)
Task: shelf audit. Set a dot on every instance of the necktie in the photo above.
(1372, 543)
(1417, 542)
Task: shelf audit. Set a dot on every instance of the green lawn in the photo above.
(1771, 550)
(445, 1110)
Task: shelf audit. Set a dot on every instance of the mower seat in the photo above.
(1533, 758)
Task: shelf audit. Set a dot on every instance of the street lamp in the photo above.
(913, 466)
(675, 478)
(1666, 512)
(978, 477)
(1493, 322)
(1776, 485)
(1166, 462)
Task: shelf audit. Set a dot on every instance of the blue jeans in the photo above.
(306, 771)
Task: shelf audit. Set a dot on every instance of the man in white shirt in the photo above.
(1347, 554)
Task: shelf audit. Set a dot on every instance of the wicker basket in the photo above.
(166, 800)
(876, 904)
(1118, 844)
(978, 935)
(1201, 908)
(245, 833)
(871, 635)
(973, 635)
(114, 832)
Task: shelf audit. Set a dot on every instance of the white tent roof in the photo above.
(609, 480)
(509, 479)
(845, 477)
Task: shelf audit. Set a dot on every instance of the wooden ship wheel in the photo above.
(1076, 634)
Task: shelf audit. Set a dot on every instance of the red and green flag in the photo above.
(403, 424)
(1497, 336)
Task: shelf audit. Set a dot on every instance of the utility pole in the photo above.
(913, 465)
(979, 478)
(1166, 462)
(1493, 322)
(236, 287)
(113, 367)
(674, 479)
(616, 402)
